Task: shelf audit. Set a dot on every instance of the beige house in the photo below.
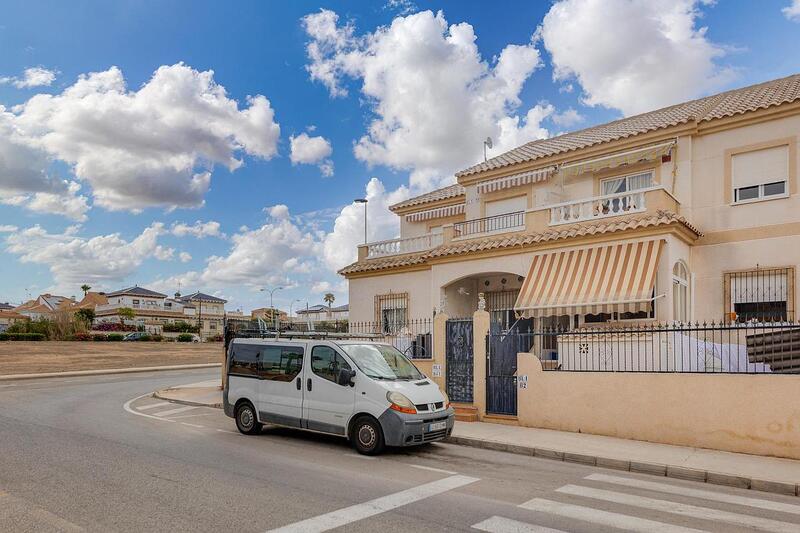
(687, 213)
(44, 306)
(209, 310)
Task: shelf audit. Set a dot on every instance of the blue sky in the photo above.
(85, 195)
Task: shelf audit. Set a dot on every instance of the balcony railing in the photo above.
(403, 246)
(610, 205)
(493, 224)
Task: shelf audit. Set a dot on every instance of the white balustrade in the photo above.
(403, 246)
(610, 205)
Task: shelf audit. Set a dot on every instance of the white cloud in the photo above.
(312, 150)
(32, 77)
(340, 245)
(7, 228)
(164, 254)
(153, 147)
(100, 261)
(633, 55)
(278, 211)
(792, 11)
(433, 96)
(568, 118)
(321, 286)
(68, 203)
(185, 257)
(199, 229)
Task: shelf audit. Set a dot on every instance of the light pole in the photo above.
(363, 201)
(290, 308)
(271, 308)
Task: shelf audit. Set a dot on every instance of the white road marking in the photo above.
(164, 414)
(152, 406)
(498, 524)
(758, 503)
(192, 425)
(377, 506)
(704, 513)
(228, 431)
(604, 518)
(432, 469)
(359, 456)
(128, 408)
(191, 416)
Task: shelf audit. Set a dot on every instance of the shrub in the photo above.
(215, 338)
(115, 337)
(180, 327)
(185, 337)
(22, 336)
(156, 338)
(114, 326)
(82, 336)
(99, 337)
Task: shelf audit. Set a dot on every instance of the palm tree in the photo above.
(329, 298)
(85, 288)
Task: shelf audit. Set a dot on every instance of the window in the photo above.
(392, 312)
(326, 363)
(136, 302)
(509, 205)
(212, 326)
(167, 304)
(380, 361)
(244, 360)
(680, 292)
(760, 174)
(280, 363)
(761, 295)
(633, 182)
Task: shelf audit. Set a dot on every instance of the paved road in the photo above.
(73, 458)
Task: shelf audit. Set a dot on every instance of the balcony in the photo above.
(488, 225)
(610, 205)
(401, 246)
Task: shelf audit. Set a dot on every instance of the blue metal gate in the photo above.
(459, 360)
(501, 367)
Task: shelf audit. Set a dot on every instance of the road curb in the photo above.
(73, 373)
(160, 395)
(693, 474)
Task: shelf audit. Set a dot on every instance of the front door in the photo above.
(280, 369)
(458, 360)
(327, 405)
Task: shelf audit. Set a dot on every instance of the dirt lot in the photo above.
(32, 357)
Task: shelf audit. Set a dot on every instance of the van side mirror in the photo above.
(345, 377)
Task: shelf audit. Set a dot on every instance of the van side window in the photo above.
(244, 360)
(326, 363)
(280, 363)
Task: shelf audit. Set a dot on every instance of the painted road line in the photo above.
(128, 408)
(360, 511)
(168, 412)
(195, 415)
(665, 506)
(152, 406)
(758, 503)
(432, 469)
(603, 518)
(359, 456)
(192, 425)
(498, 524)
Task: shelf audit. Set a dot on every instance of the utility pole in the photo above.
(363, 201)
(271, 308)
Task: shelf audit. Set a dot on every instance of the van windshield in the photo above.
(381, 362)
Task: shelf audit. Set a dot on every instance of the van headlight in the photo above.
(446, 400)
(399, 402)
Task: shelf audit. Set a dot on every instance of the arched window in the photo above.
(680, 292)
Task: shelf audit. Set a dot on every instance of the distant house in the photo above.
(322, 313)
(151, 309)
(209, 312)
(8, 318)
(91, 300)
(5, 306)
(44, 306)
(269, 315)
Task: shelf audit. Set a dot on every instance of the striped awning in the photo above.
(439, 212)
(610, 278)
(523, 178)
(646, 153)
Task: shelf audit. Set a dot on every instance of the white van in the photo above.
(365, 391)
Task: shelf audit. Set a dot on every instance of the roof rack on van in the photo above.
(314, 335)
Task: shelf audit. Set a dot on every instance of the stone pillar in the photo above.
(480, 328)
(439, 347)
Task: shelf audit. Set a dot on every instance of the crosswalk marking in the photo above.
(704, 513)
(758, 503)
(377, 506)
(605, 518)
(176, 411)
(153, 406)
(498, 524)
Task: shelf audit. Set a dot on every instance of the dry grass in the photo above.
(57, 356)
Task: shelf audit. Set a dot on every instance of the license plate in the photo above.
(436, 426)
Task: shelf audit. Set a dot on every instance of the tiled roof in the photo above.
(91, 299)
(137, 291)
(203, 297)
(730, 103)
(659, 218)
(445, 193)
(5, 313)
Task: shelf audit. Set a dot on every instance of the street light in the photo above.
(290, 308)
(363, 201)
(271, 308)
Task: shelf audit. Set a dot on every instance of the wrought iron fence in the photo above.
(749, 348)
(412, 337)
(489, 224)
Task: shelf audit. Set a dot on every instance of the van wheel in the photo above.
(367, 436)
(246, 421)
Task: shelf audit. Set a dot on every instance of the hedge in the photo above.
(22, 337)
(115, 336)
(185, 337)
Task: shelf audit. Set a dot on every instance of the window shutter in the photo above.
(760, 166)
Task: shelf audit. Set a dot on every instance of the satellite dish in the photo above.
(488, 142)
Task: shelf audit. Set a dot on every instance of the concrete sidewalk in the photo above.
(723, 468)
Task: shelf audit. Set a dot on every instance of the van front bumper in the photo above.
(401, 429)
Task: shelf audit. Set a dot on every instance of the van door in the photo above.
(280, 370)
(327, 406)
